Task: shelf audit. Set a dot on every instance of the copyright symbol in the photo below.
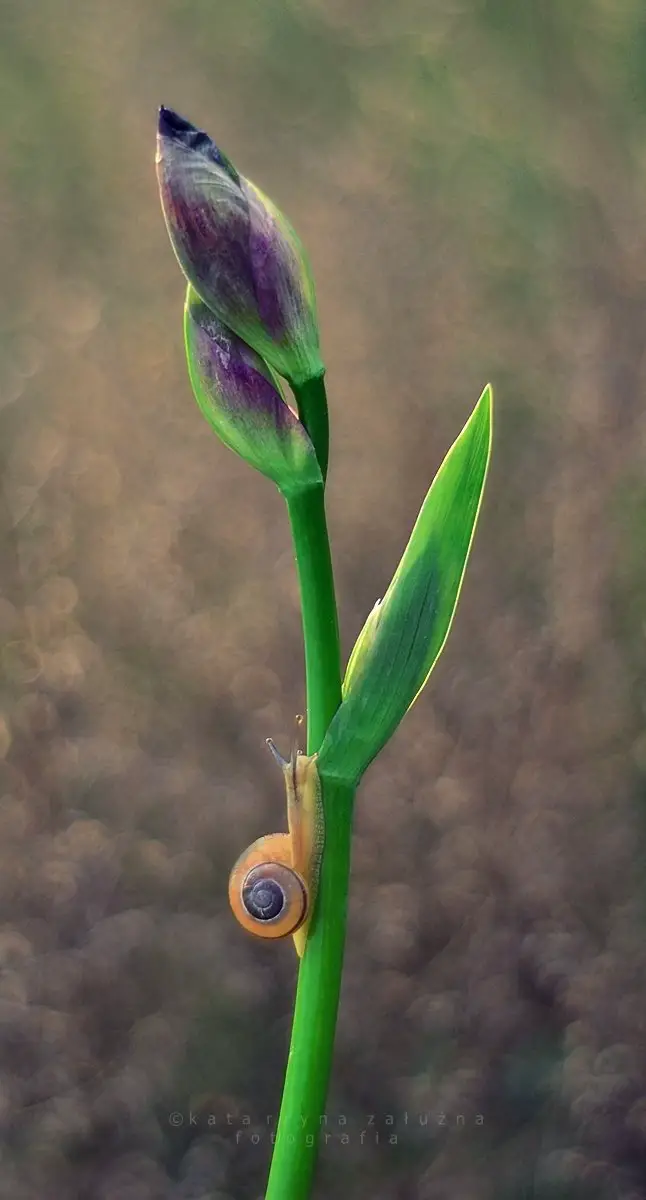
(176, 1118)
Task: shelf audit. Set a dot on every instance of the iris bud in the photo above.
(242, 400)
(237, 250)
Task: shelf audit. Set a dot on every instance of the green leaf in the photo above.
(405, 633)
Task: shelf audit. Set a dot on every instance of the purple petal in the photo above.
(208, 220)
(267, 254)
(237, 373)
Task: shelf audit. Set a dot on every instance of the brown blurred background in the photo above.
(470, 181)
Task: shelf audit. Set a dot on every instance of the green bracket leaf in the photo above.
(405, 633)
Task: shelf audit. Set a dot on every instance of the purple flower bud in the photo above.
(241, 398)
(237, 250)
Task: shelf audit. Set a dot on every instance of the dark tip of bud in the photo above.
(177, 129)
(171, 125)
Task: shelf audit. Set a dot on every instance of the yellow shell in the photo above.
(268, 897)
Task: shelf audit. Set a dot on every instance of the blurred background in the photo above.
(469, 179)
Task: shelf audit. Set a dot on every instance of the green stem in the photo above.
(319, 978)
(315, 1011)
(318, 604)
(312, 410)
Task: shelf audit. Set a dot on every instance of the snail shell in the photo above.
(268, 896)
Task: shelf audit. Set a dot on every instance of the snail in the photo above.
(273, 885)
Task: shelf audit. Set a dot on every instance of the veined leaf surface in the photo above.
(404, 635)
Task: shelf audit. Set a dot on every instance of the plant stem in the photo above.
(319, 979)
(318, 604)
(315, 1011)
(312, 410)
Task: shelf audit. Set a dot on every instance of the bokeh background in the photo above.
(469, 177)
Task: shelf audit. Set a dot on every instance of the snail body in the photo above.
(273, 885)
